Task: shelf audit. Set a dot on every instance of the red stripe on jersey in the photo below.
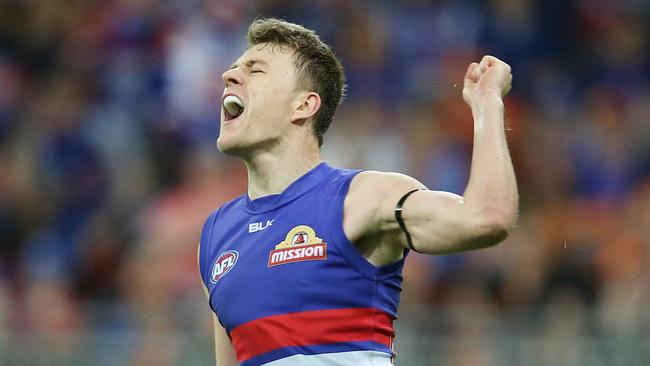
(311, 327)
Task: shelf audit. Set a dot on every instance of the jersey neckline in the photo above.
(300, 186)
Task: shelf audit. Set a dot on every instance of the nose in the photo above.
(232, 77)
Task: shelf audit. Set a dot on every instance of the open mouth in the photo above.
(233, 107)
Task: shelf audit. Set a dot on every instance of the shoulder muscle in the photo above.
(371, 201)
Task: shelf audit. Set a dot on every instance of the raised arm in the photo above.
(443, 222)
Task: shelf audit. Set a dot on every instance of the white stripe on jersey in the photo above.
(356, 358)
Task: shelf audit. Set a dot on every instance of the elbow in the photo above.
(494, 235)
(503, 222)
(496, 226)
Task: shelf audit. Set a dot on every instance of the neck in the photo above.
(272, 172)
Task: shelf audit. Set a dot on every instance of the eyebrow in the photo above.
(249, 63)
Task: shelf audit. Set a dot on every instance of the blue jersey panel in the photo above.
(286, 254)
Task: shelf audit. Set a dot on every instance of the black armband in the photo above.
(400, 221)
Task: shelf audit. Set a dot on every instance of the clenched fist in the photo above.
(488, 78)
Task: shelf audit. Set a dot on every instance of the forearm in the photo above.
(491, 192)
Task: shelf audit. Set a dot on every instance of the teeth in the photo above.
(233, 105)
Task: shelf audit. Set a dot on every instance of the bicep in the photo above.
(440, 223)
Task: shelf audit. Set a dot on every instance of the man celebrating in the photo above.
(305, 269)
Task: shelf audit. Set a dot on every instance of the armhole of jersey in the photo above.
(204, 256)
(347, 248)
(204, 249)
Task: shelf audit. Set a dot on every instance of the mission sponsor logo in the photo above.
(300, 244)
(224, 263)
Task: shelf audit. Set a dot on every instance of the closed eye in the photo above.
(257, 72)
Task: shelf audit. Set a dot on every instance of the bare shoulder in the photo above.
(369, 194)
(377, 186)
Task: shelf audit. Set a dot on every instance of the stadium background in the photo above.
(108, 116)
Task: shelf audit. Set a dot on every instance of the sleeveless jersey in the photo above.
(287, 284)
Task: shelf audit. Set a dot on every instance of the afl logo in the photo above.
(223, 265)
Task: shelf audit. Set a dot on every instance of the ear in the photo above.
(306, 105)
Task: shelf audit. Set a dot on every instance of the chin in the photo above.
(227, 147)
(224, 146)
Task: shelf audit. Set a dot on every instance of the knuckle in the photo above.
(490, 59)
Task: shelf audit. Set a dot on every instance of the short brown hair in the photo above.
(318, 68)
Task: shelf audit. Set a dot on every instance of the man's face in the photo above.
(257, 100)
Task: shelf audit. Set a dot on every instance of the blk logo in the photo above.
(259, 226)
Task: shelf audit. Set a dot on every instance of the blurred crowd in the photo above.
(109, 112)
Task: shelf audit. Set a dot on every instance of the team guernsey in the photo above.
(287, 284)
